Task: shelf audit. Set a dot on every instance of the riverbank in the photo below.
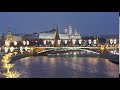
(113, 58)
(19, 56)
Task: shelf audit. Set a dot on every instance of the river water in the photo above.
(66, 67)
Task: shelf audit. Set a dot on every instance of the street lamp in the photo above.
(6, 49)
(24, 42)
(65, 41)
(7, 43)
(52, 42)
(26, 48)
(27, 42)
(89, 41)
(73, 41)
(111, 41)
(115, 41)
(0, 49)
(21, 49)
(80, 41)
(59, 41)
(44, 42)
(11, 49)
(95, 41)
(15, 43)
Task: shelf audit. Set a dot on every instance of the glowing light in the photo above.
(26, 48)
(74, 41)
(15, 43)
(6, 49)
(59, 41)
(5, 61)
(24, 42)
(107, 45)
(27, 42)
(115, 41)
(52, 42)
(80, 41)
(21, 49)
(7, 43)
(8, 67)
(44, 42)
(11, 49)
(111, 41)
(12, 74)
(0, 49)
(65, 41)
(89, 41)
(102, 48)
(15, 53)
(94, 41)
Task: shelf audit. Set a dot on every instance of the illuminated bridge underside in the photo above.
(46, 49)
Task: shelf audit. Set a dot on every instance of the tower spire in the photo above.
(57, 37)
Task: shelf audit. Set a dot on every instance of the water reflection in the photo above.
(66, 67)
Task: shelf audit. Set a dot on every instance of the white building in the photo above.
(67, 35)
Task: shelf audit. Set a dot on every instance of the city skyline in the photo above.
(85, 23)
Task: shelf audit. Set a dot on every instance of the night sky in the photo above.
(85, 23)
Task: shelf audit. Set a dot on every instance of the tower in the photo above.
(75, 33)
(66, 30)
(8, 39)
(57, 38)
(70, 29)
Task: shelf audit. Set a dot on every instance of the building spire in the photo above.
(57, 37)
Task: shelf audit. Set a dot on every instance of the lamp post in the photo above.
(6, 49)
(21, 49)
(11, 49)
(65, 41)
(24, 43)
(52, 42)
(73, 41)
(0, 49)
(15, 44)
(89, 41)
(59, 41)
(27, 42)
(80, 41)
(94, 42)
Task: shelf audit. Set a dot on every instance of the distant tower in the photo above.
(75, 33)
(8, 39)
(66, 30)
(70, 29)
(57, 38)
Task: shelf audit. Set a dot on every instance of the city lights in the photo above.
(7, 43)
(77, 48)
(115, 41)
(6, 49)
(74, 41)
(24, 43)
(80, 41)
(95, 41)
(90, 41)
(27, 42)
(15, 43)
(26, 48)
(111, 41)
(65, 41)
(44, 42)
(11, 49)
(52, 42)
(59, 41)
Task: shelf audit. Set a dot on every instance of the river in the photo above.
(66, 67)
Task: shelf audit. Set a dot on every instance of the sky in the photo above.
(86, 23)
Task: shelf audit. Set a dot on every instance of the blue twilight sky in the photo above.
(84, 22)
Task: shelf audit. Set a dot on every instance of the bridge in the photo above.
(39, 50)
